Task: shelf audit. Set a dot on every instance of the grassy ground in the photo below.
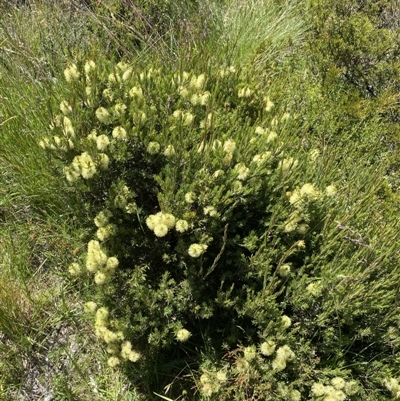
(47, 347)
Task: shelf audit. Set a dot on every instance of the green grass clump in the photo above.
(150, 28)
(260, 32)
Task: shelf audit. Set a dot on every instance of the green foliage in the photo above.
(362, 40)
(223, 250)
(354, 45)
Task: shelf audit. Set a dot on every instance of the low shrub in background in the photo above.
(361, 40)
(228, 260)
(354, 46)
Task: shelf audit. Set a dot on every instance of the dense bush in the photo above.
(361, 39)
(228, 257)
(355, 47)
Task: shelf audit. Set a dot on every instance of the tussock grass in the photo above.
(260, 31)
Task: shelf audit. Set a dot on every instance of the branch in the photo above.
(210, 270)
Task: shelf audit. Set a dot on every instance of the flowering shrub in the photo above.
(209, 225)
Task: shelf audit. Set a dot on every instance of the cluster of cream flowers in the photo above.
(86, 166)
(229, 147)
(315, 288)
(191, 88)
(169, 151)
(129, 354)
(122, 73)
(299, 198)
(249, 353)
(65, 108)
(183, 335)
(103, 115)
(205, 124)
(242, 171)
(338, 390)
(74, 269)
(181, 226)
(196, 250)
(120, 133)
(99, 263)
(57, 143)
(153, 148)
(267, 348)
(105, 229)
(288, 164)
(283, 355)
(89, 67)
(245, 92)
(210, 211)
(160, 223)
(268, 104)
(185, 118)
(267, 135)
(286, 321)
(190, 197)
(261, 158)
(119, 109)
(66, 123)
(210, 382)
(101, 327)
(136, 93)
(392, 384)
(124, 200)
(102, 141)
(284, 270)
(116, 346)
(71, 73)
(330, 190)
